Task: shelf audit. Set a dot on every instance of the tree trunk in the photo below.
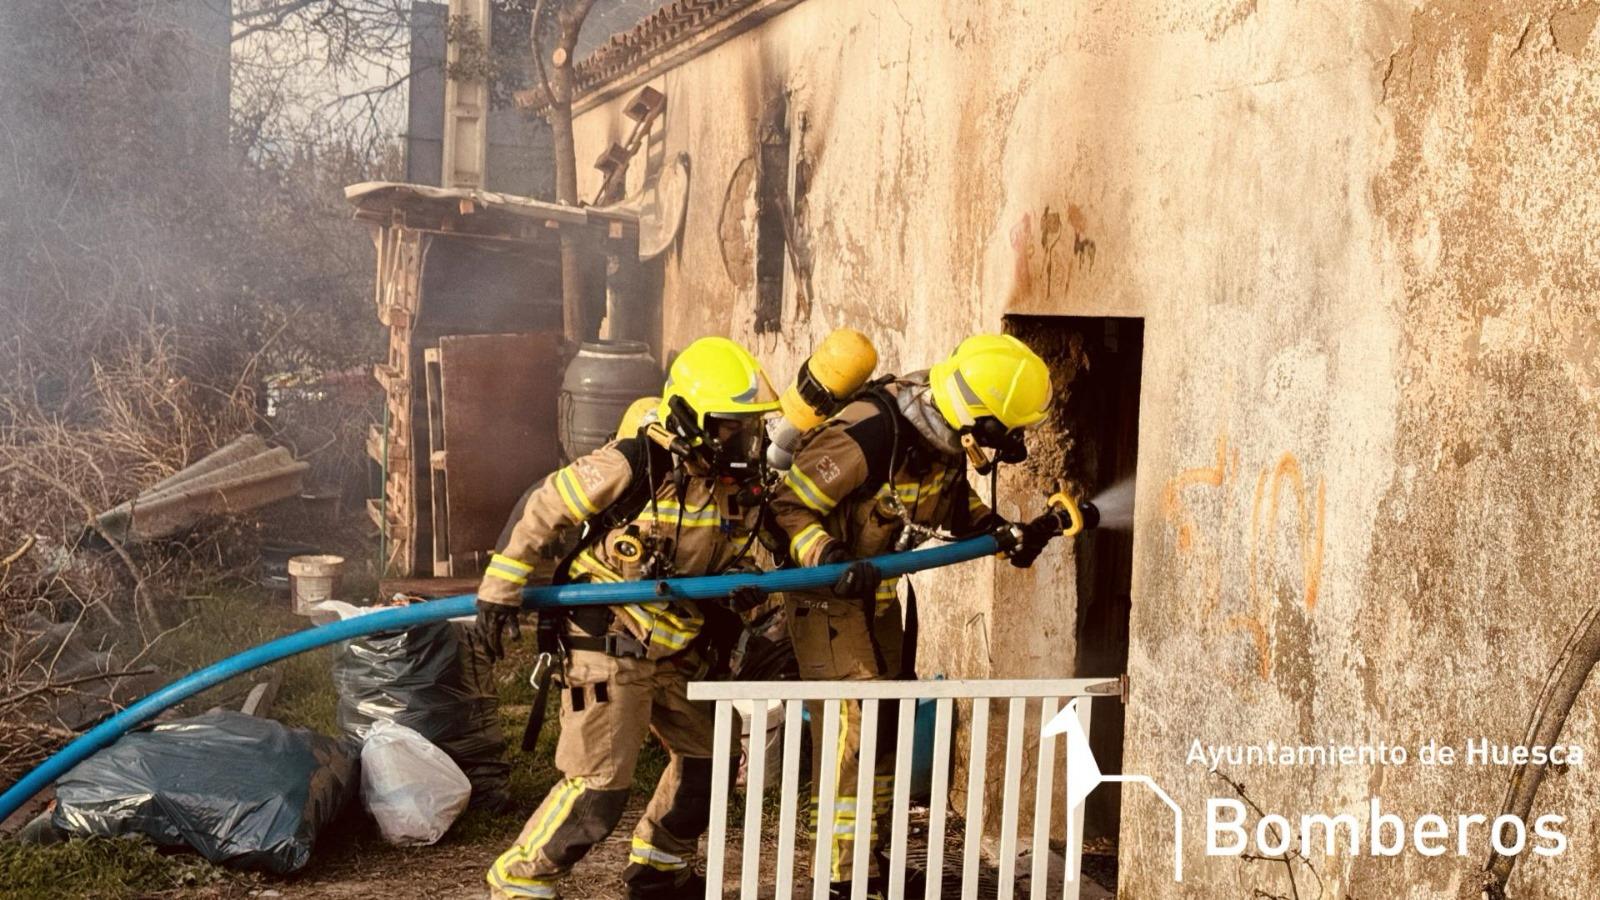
(566, 158)
(557, 83)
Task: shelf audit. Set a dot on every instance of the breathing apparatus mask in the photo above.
(987, 433)
(731, 445)
(736, 444)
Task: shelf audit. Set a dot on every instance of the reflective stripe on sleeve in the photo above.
(572, 494)
(587, 564)
(805, 540)
(808, 492)
(667, 513)
(507, 569)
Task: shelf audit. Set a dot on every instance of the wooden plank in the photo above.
(1011, 797)
(865, 778)
(442, 567)
(939, 796)
(498, 427)
(1045, 767)
(428, 588)
(701, 691)
(397, 451)
(977, 764)
(827, 785)
(904, 750)
(754, 792)
(438, 477)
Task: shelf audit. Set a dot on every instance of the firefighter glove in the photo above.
(860, 581)
(493, 619)
(1028, 540)
(744, 599)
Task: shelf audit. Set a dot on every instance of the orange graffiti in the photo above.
(1309, 536)
(1265, 504)
(1309, 533)
(1172, 494)
(1263, 644)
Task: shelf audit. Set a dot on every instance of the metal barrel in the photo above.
(600, 383)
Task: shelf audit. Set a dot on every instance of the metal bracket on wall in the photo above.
(1119, 687)
(643, 109)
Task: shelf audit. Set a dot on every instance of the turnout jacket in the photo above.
(848, 474)
(709, 530)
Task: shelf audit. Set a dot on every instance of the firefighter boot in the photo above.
(653, 884)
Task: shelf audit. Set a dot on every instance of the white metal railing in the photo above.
(794, 694)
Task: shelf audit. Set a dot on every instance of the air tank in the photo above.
(838, 368)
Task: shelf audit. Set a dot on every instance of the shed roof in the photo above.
(380, 198)
(484, 213)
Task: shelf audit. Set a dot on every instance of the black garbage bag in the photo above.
(436, 680)
(242, 791)
(764, 651)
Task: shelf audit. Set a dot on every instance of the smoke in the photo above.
(1116, 505)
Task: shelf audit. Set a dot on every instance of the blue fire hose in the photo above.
(705, 587)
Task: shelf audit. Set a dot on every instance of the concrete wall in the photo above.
(1363, 240)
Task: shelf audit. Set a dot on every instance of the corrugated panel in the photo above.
(241, 476)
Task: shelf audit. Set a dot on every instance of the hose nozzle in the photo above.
(1075, 514)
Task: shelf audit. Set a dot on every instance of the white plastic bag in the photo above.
(410, 786)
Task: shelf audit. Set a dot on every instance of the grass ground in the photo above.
(351, 859)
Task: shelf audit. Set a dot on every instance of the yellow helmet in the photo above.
(991, 375)
(716, 377)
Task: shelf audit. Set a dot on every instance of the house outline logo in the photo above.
(1084, 775)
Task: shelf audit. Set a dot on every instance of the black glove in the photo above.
(860, 581)
(744, 599)
(492, 621)
(1023, 543)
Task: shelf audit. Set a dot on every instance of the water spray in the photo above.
(1115, 504)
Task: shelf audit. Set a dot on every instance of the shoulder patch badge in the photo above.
(827, 469)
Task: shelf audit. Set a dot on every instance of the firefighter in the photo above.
(884, 473)
(683, 497)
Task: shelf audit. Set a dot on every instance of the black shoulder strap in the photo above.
(649, 465)
(880, 469)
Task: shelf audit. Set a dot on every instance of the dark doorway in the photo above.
(1092, 438)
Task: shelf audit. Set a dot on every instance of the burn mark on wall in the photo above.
(761, 225)
(1229, 17)
(773, 215)
(1022, 243)
(1050, 260)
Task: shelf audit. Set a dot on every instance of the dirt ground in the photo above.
(455, 871)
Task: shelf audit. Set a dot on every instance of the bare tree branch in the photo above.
(268, 19)
(51, 687)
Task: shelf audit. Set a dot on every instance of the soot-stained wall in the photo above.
(1363, 241)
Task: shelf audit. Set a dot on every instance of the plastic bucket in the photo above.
(313, 579)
